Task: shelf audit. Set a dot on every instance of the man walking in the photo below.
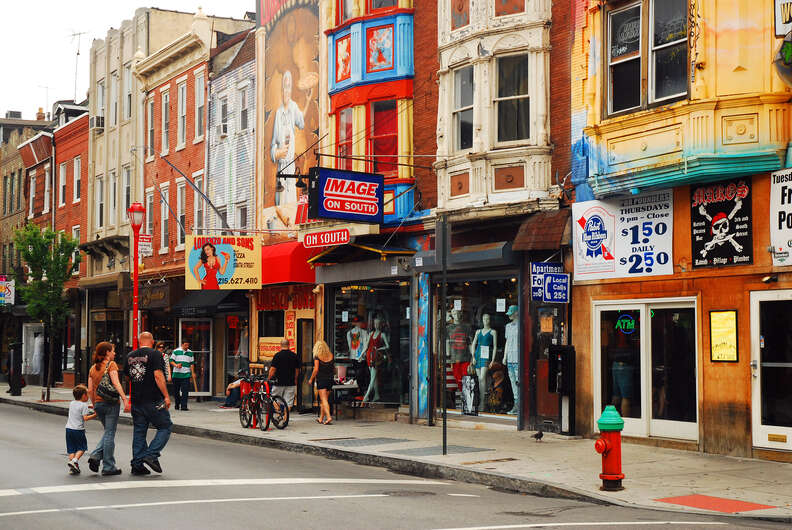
(145, 369)
(283, 373)
(182, 363)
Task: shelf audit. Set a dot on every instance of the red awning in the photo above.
(286, 263)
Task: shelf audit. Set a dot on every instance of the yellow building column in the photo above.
(331, 141)
(404, 111)
(359, 138)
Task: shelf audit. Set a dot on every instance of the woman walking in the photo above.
(323, 373)
(105, 391)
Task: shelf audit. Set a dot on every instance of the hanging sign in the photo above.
(556, 288)
(227, 262)
(7, 290)
(346, 195)
(781, 217)
(327, 238)
(144, 245)
(624, 238)
(720, 219)
(538, 270)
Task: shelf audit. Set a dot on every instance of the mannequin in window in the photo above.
(511, 352)
(483, 349)
(457, 347)
(357, 341)
(376, 355)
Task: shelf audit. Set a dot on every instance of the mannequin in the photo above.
(357, 340)
(511, 352)
(376, 351)
(38, 353)
(483, 349)
(457, 347)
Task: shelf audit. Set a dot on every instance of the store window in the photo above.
(384, 142)
(271, 324)
(198, 332)
(463, 108)
(237, 346)
(371, 339)
(483, 346)
(513, 101)
(621, 361)
(345, 138)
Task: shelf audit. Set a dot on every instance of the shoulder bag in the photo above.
(105, 388)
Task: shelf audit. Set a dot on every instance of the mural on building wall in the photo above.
(422, 368)
(291, 106)
(343, 58)
(379, 43)
(721, 223)
(508, 7)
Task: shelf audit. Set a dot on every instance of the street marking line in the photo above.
(191, 501)
(8, 493)
(584, 524)
(461, 495)
(149, 483)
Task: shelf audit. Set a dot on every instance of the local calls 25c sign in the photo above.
(625, 237)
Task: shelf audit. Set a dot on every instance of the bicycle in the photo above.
(260, 405)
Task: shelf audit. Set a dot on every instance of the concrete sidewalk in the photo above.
(556, 466)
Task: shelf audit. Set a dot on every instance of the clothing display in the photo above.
(458, 343)
(483, 339)
(374, 353)
(511, 352)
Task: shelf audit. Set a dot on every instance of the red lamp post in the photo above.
(136, 212)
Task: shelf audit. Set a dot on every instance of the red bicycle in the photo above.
(258, 407)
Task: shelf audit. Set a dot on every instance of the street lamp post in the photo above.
(136, 214)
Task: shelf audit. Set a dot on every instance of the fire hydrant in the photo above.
(609, 446)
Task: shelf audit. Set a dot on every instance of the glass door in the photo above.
(198, 332)
(305, 335)
(771, 369)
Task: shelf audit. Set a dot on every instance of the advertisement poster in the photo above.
(225, 262)
(7, 290)
(720, 220)
(723, 336)
(781, 217)
(291, 105)
(625, 237)
(538, 270)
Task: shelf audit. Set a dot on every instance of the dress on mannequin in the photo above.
(483, 349)
(511, 353)
(457, 347)
(375, 355)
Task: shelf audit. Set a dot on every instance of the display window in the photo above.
(371, 339)
(237, 346)
(198, 332)
(483, 349)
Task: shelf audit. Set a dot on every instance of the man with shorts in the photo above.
(283, 374)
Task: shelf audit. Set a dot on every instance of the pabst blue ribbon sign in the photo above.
(346, 195)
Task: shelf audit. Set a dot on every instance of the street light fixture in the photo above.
(136, 212)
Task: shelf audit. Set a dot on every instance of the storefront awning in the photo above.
(286, 263)
(357, 252)
(544, 231)
(204, 303)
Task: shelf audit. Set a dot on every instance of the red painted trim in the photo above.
(368, 16)
(364, 94)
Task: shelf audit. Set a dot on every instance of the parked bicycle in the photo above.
(257, 403)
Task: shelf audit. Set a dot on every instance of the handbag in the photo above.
(105, 388)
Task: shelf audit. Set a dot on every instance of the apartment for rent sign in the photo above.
(346, 195)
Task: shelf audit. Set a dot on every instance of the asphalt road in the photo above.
(210, 484)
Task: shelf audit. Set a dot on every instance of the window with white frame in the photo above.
(5, 195)
(11, 192)
(100, 97)
(223, 116)
(243, 109)
(19, 190)
(114, 98)
(47, 190)
(76, 236)
(99, 201)
(165, 123)
(164, 236)
(198, 202)
(513, 101)
(150, 212)
(127, 91)
(659, 54)
(62, 184)
(112, 214)
(181, 106)
(181, 211)
(222, 218)
(242, 215)
(150, 122)
(126, 171)
(199, 105)
(463, 108)
(77, 178)
(32, 196)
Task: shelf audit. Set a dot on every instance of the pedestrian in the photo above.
(79, 413)
(102, 381)
(283, 374)
(323, 374)
(150, 403)
(166, 359)
(182, 363)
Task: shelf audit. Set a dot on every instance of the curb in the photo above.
(418, 468)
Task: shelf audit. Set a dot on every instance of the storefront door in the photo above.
(646, 366)
(198, 332)
(305, 335)
(771, 368)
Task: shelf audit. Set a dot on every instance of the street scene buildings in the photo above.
(516, 212)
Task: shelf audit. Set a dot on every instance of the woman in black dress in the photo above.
(323, 374)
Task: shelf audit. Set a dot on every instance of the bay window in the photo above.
(345, 138)
(384, 142)
(463, 108)
(513, 101)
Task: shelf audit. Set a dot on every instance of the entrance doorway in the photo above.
(198, 332)
(771, 369)
(645, 365)
(305, 335)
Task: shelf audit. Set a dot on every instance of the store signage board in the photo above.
(721, 223)
(346, 195)
(783, 17)
(7, 290)
(538, 270)
(781, 217)
(144, 245)
(236, 263)
(556, 288)
(625, 237)
(326, 238)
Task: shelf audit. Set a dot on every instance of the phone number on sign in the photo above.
(237, 281)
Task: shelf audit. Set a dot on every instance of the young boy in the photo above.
(79, 413)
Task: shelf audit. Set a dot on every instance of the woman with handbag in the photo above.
(105, 390)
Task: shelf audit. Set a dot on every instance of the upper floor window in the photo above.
(243, 109)
(76, 237)
(384, 141)
(509, 7)
(513, 101)
(150, 212)
(150, 136)
(181, 211)
(222, 128)
(113, 98)
(374, 5)
(127, 92)
(100, 98)
(345, 8)
(112, 214)
(19, 190)
(460, 13)
(99, 202)
(164, 212)
(32, 196)
(62, 184)
(127, 183)
(463, 108)
(5, 194)
(656, 51)
(345, 138)
(165, 122)
(181, 107)
(198, 202)
(199, 105)
(77, 178)
(47, 187)
(242, 215)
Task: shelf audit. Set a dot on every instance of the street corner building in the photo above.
(680, 115)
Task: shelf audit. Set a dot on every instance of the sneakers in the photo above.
(112, 473)
(93, 465)
(153, 463)
(140, 471)
(74, 467)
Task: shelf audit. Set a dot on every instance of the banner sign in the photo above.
(783, 17)
(556, 288)
(226, 262)
(327, 238)
(346, 195)
(7, 290)
(144, 245)
(781, 217)
(720, 221)
(624, 238)
(538, 270)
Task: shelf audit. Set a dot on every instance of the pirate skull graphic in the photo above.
(721, 229)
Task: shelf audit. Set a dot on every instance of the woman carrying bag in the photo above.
(105, 390)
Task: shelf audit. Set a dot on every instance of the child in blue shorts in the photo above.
(79, 413)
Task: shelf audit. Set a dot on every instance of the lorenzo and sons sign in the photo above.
(346, 195)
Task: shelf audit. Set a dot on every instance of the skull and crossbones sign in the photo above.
(720, 229)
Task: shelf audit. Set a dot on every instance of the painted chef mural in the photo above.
(721, 223)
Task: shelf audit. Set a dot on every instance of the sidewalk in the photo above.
(556, 466)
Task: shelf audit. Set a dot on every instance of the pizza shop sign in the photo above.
(346, 195)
